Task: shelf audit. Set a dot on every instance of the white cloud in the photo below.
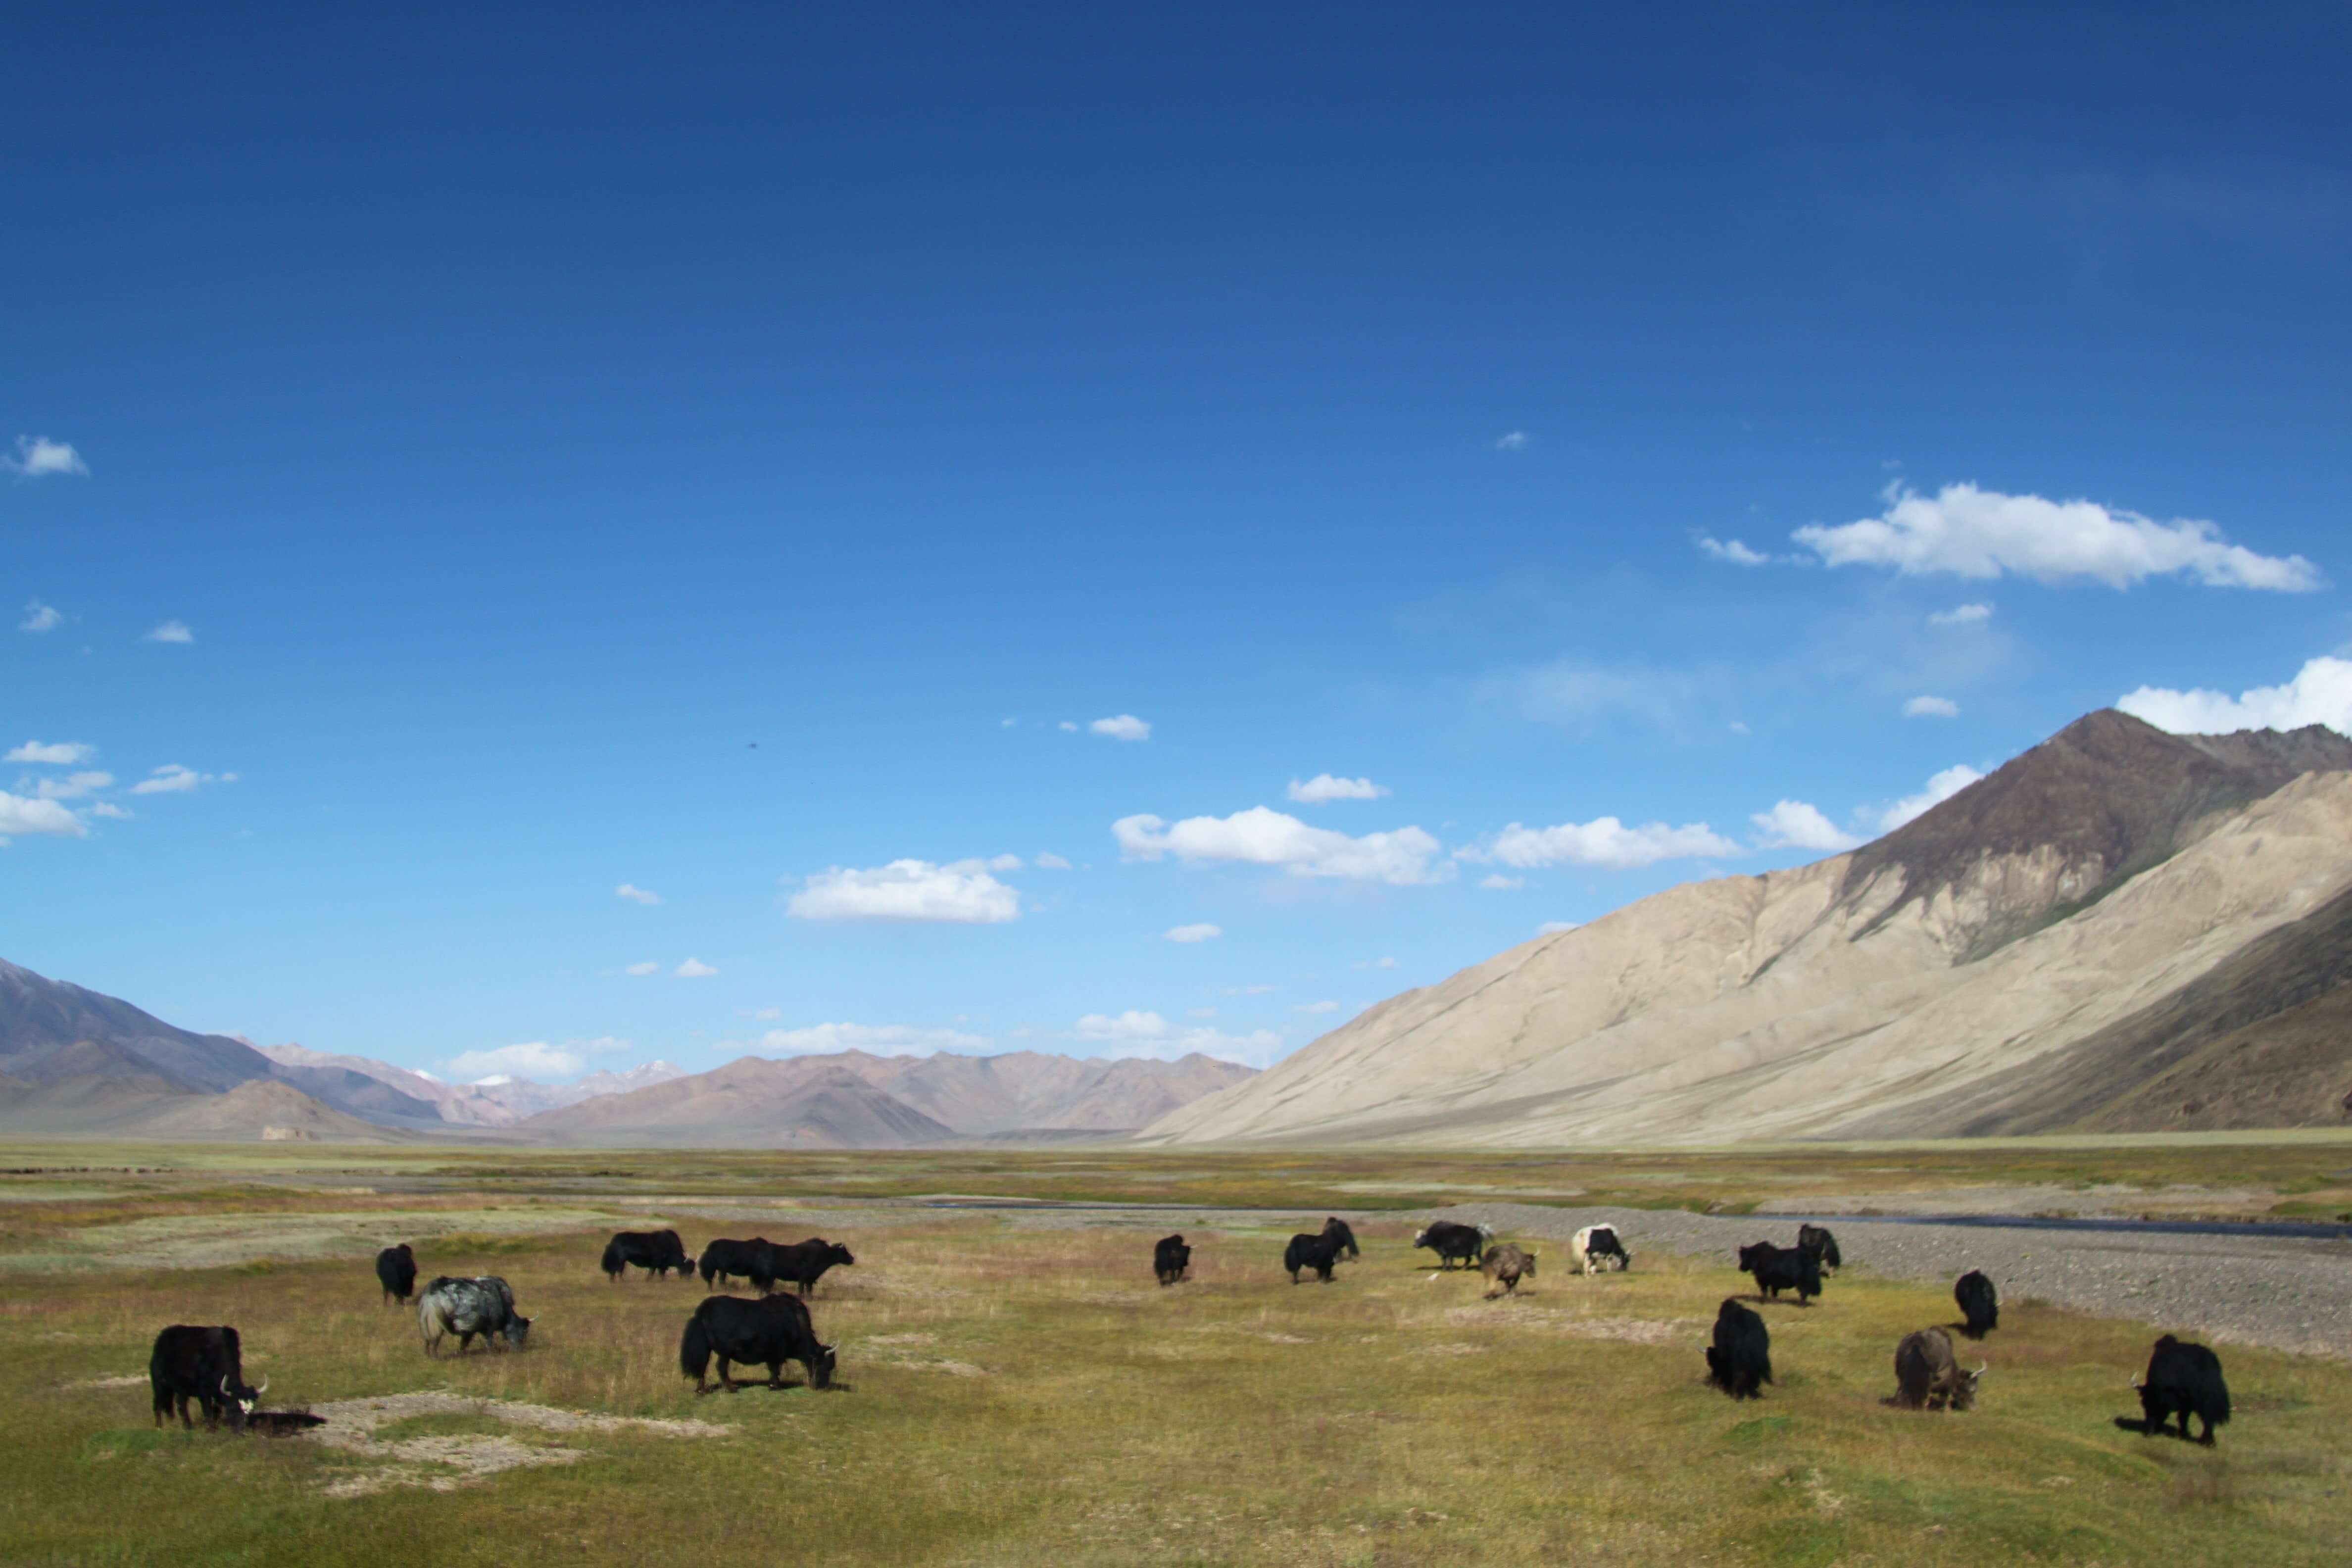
(18, 815)
(694, 969)
(73, 786)
(108, 808)
(1201, 933)
(1122, 727)
(533, 1058)
(1961, 616)
(1605, 841)
(962, 894)
(53, 754)
(1931, 708)
(2320, 693)
(1732, 550)
(171, 778)
(1325, 1006)
(1049, 861)
(1940, 788)
(993, 863)
(874, 1040)
(1137, 1033)
(1496, 883)
(1376, 964)
(40, 617)
(1007, 723)
(1323, 788)
(635, 894)
(1971, 532)
(646, 968)
(1513, 441)
(1263, 837)
(1070, 724)
(766, 1015)
(172, 631)
(1553, 928)
(1794, 824)
(38, 457)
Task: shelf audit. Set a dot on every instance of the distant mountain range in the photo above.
(74, 1063)
(2121, 929)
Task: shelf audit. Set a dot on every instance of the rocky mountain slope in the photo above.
(2114, 906)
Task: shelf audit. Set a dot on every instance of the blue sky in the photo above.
(490, 458)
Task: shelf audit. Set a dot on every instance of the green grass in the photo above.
(1021, 1395)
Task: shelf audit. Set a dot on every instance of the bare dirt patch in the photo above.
(446, 1462)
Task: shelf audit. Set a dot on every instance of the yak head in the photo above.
(820, 1367)
(1420, 1236)
(1964, 1385)
(1747, 1255)
(838, 1256)
(238, 1400)
(517, 1330)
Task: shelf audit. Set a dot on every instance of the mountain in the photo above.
(851, 1099)
(2114, 926)
(41, 1018)
(492, 1102)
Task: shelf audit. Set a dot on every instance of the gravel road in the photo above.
(2288, 1293)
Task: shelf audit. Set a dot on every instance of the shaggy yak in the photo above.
(1503, 1268)
(1927, 1376)
(768, 1331)
(1170, 1259)
(1741, 1356)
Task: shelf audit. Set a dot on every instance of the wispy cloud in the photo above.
(53, 754)
(39, 458)
(171, 778)
(1122, 727)
(1796, 824)
(1940, 788)
(1324, 788)
(694, 969)
(1965, 532)
(2320, 693)
(874, 1040)
(959, 893)
(1049, 861)
(1201, 932)
(1931, 708)
(1961, 616)
(108, 808)
(1604, 841)
(20, 815)
(648, 967)
(1495, 882)
(635, 894)
(1144, 1033)
(532, 1059)
(73, 786)
(1316, 1007)
(1376, 964)
(1553, 928)
(1512, 441)
(1264, 836)
(172, 631)
(40, 617)
(1732, 550)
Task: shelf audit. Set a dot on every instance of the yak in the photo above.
(1740, 1359)
(1929, 1376)
(395, 1270)
(769, 1331)
(803, 1263)
(722, 1259)
(1337, 1229)
(1597, 1248)
(1979, 1304)
(1317, 1250)
(1817, 1239)
(1776, 1269)
(1171, 1259)
(1503, 1267)
(2184, 1378)
(654, 1251)
(206, 1365)
(1453, 1243)
(484, 1306)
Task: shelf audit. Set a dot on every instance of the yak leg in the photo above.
(725, 1380)
(776, 1374)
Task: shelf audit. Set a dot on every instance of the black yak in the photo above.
(484, 1306)
(1776, 1269)
(1818, 1239)
(654, 1251)
(1337, 1229)
(1928, 1375)
(1170, 1259)
(1740, 1359)
(723, 1258)
(1452, 1243)
(2186, 1379)
(395, 1270)
(1317, 1250)
(803, 1263)
(767, 1333)
(1979, 1304)
(1503, 1267)
(206, 1365)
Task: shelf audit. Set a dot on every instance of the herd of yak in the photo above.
(204, 1364)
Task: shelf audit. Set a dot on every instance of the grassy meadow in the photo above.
(1018, 1389)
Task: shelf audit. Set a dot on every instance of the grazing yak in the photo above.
(767, 1333)
(654, 1251)
(484, 1306)
(205, 1364)
(1979, 1304)
(1817, 1239)
(1776, 1268)
(803, 1263)
(1171, 1259)
(2186, 1379)
(1740, 1360)
(1596, 1247)
(1318, 1250)
(723, 1260)
(1929, 1376)
(1504, 1266)
(395, 1270)
(1452, 1243)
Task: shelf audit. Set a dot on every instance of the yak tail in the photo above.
(614, 1263)
(694, 1348)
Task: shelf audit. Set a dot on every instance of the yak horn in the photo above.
(263, 1389)
(2134, 1382)
(1983, 1367)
